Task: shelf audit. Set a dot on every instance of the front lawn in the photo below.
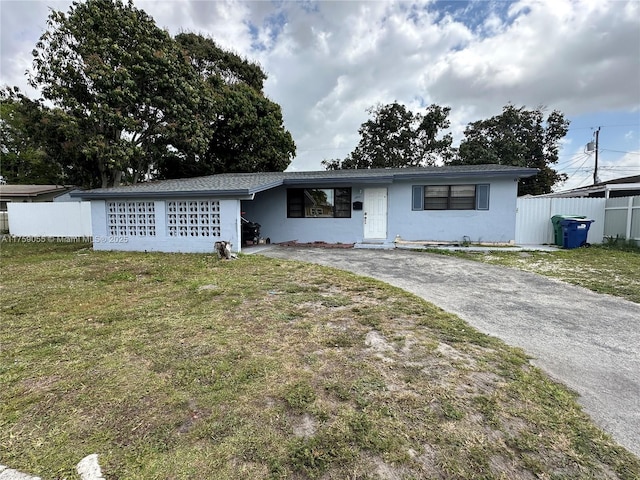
(184, 366)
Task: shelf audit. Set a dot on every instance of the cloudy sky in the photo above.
(328, 62)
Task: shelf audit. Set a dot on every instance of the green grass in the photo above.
(605, 268)
(184, 366)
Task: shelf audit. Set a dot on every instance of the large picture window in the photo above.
(451, 197)
(319, 203)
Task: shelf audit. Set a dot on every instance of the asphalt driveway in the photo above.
(588, 341)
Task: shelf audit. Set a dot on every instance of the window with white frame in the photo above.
(193, 218)
(128, 218)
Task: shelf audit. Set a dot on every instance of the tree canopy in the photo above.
(38, 144)
(246, 129)
(398, 137)
(21, 155)
(141, 104)
(517, 137)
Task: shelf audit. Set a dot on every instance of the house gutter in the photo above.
(338, 181)
(523, 173)
(243, 194)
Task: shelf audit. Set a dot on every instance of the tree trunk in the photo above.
(104, 177)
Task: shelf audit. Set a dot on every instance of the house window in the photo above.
(193, 218)
(450, 197)
(131, 219)
(319, 203)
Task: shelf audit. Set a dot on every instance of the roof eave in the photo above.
(239, 193)
(242, 193)
(266, 186)
(35, 194)
(520, 173)
(338, 180)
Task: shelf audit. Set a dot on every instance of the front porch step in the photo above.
(378, 245)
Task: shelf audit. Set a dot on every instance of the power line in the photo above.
(607, 126)
(619, 151)
(616, 167)
(581, 165)
(573, 161)
(583, 180)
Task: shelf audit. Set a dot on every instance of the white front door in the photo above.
(375, 213)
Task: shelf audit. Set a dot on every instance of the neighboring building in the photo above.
(617, 187)
(67, 196)
(477, 202)
(29, 193)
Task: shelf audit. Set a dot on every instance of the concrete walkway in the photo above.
(88, 468)
(588, 341)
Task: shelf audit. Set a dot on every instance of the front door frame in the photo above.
(375, 211)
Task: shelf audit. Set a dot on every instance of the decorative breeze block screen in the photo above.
(193, 218)
(132, 219)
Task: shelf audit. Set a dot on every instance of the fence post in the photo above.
(629, 218)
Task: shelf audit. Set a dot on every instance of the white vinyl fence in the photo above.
(622, 218)
(50, 219)
(533, 218)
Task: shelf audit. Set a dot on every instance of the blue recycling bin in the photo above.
(557, 228)
(574, 232)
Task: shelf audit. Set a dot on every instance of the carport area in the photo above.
(588, 341)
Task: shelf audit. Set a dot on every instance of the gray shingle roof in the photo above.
(30, 190)
(245, 184)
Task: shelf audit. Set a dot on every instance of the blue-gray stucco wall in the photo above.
(497, 224)
(269, 209)
(162, 241)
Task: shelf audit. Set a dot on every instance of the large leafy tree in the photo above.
(146, 104)
(518, 137)
(398, 137)
(124, 80)
(22, 158)
(39, 144)
(247, 131)
(218, 65)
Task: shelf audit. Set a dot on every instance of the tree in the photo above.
(220, 66)
(247, 130)
(248, 133)
(22, 161)
(145, 105)
(517, 137)
(397, 137)
(37, 144)
(125, 82)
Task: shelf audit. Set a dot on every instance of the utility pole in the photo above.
(595, 170)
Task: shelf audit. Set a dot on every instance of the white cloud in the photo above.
(21, 24)
(620, 167)
(569, 55)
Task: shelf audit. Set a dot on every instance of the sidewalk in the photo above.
(7, 473)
